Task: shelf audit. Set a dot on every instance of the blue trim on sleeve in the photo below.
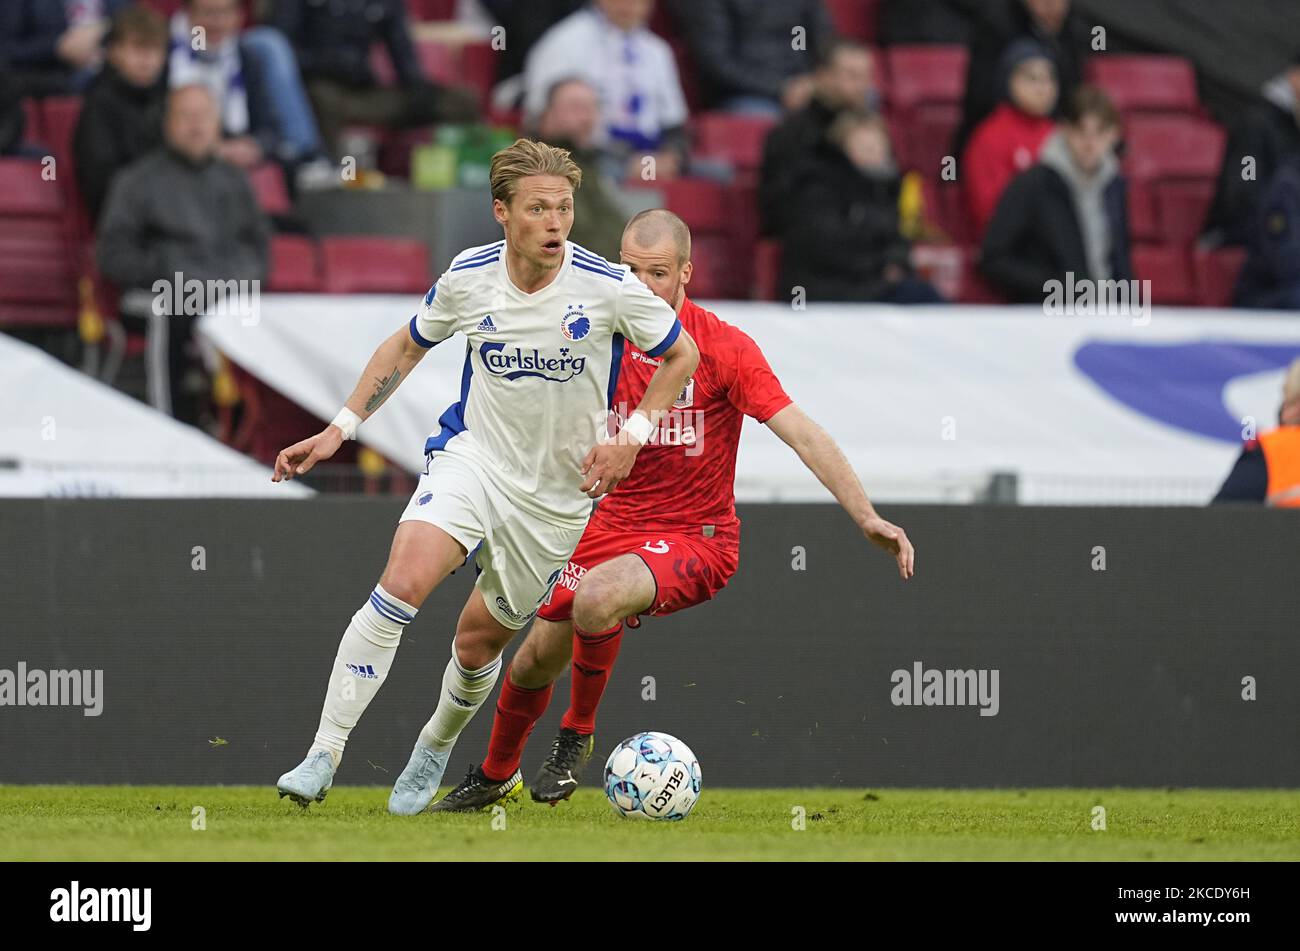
(419, 337)
(667, 341)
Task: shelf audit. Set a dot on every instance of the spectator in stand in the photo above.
(643, 110)
(1268, 469)
(746, 55)
(181, 210)
(524, 22)
(570, 121)
(1067, 214)
(1271, 276)
(844, 243)
(55, 46)
(843, 81)
(1270, 134)
(12, 119)
(254, 77)
(927, 21)
(333, 43)
(1007, 142)
(1050, 23)
(121, 118)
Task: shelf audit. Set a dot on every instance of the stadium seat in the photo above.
(855, 19)
(1172, 147)
(925, 74)
(928, 133)
(1181, 208)
(294, 265)
(270, 188)
(1143, 224)
(767, 269)
(478, 69)
(431, 10)
(737, 139)
(33, 124)
(1146, 83)
(1168, 269)
(714, 275)
(375, 266)
(1216, 275)
(943, 265)
(701, 203)
(23, 190)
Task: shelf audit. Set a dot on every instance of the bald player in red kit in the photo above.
(666, 539)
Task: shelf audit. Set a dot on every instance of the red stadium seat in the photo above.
(23, 190)
(943, 265)
(855, 19)
(478, 69)
(270, 188)
(925, 74)
(438, 61)
(375, 266)
(1146, 83)
(928, 137)
(426, 10)
(1216, 275)
(33, 121)
(767, 269)
(1143, 223)
(294, 265)
(701, 203)
(713, 275)
(1172, 147)
(735, 138)
(1181, 208)
(1168, 270)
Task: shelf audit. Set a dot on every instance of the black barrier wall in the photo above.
(1117, 647)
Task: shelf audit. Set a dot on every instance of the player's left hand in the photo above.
(894, 540)
(606, 466)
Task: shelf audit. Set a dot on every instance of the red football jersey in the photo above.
(684, 477)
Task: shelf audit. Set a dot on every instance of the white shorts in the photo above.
(519, 556)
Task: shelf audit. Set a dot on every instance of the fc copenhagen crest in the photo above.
(575, 324)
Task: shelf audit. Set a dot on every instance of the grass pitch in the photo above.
(251, 823)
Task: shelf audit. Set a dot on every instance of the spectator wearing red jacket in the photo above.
(1009, 140)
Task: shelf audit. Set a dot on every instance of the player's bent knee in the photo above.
(596, 604)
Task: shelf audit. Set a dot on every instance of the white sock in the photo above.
(463, 692)
(365, 655)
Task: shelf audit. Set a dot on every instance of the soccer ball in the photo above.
(652, 776)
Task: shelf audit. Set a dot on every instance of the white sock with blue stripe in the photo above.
(365, 655)
(463, 692)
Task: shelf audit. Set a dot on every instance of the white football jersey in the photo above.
(540, 369)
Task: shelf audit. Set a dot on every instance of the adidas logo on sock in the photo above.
(486, 325)
(363, 670)
(460, 701)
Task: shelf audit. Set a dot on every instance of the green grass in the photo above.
(154, 822)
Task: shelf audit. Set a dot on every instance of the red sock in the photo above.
(518, 710)
(593, 659)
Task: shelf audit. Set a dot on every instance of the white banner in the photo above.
(65, 434)
(928, 403)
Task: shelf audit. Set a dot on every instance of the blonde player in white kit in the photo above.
(516, 463)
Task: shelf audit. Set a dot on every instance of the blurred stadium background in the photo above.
(965, 400)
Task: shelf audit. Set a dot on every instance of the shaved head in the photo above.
(649, 228)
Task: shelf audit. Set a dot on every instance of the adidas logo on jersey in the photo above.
(487, 326)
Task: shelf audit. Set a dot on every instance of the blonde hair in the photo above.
(528, 157)
(1291, 385)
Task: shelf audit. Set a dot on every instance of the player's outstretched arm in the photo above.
(608, 464)
(392, 362)
(823, 456)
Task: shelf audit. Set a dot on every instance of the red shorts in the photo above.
(688, 569)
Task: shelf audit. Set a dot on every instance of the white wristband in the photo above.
(639, 427)
(347, 421)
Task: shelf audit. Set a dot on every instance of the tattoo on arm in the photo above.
(384, 387)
